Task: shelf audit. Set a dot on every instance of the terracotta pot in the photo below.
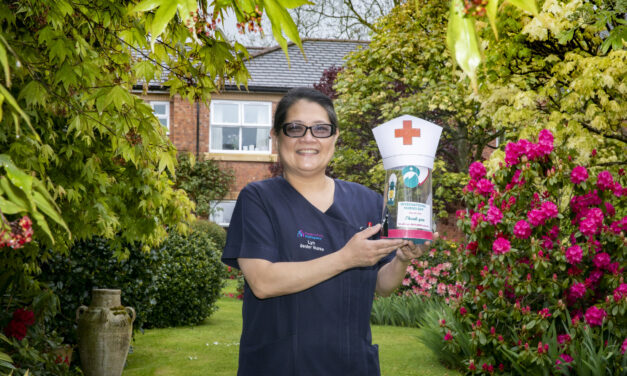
(104, 333)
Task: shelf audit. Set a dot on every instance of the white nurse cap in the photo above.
(407, 141)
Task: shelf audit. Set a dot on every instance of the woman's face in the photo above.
(307, 155)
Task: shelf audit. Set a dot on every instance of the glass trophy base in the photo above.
(417, 236)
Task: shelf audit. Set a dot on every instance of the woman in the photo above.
(306, 247)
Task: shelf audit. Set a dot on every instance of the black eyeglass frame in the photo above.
(284, 127)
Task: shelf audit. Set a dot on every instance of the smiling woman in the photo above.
(311, 269)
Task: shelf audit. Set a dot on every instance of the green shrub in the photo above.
(436, 316)
(214, 230)
(203, 181)
(190, 279)
(93, 264)
(406, 310)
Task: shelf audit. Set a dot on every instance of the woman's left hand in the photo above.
(410, 251)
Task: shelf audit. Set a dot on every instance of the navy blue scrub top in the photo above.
(321, 331)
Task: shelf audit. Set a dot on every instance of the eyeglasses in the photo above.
(296, 130)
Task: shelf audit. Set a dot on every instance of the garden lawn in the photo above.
(212, 348)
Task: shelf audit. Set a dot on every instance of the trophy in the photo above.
(407, 145)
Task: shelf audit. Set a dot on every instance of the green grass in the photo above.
(211, 348)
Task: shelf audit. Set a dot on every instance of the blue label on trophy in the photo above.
(410, 176)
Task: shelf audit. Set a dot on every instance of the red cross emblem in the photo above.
(407, 132)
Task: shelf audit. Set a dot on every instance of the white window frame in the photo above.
(240, 125)
(159, 116)
(215, 208)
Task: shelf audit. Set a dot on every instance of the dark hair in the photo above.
(308, 94)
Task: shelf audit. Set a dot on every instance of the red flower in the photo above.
(448, 336)
(25, 316)
(16, 329)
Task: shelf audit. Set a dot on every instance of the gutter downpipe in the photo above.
(197, 129)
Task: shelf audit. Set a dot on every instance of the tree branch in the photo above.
(618, 137)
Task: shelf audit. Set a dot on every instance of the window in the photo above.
(162, 112)
(240, 126)
(221, 212)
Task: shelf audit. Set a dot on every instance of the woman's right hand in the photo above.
(361, 251)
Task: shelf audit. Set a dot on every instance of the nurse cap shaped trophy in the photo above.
(407, 145)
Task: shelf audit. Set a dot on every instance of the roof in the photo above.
(269, 69)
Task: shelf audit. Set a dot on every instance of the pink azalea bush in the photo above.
(433, 274)
(543, 266)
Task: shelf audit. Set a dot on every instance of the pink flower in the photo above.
(512, 152)
(536, 217)
(549, 209)
(462, 311)
(448, 336)
(605, 180)
(545, 142)
(564, 357)
(594, 316)
(501, 246)
(522, 229)
(577, 291)
(609, 210)
(574, 254)
(596, 215)
(485, 187)
(494, 215)
(544, 313)
(588, 226)
(563, 338)
(475, 220)
(620, 292)
(470, 187)
(623, 348)
(601, 260)
(477, 170)
(578, 175)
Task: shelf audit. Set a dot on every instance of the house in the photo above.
(234, 129)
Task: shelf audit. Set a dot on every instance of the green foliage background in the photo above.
(406, 69)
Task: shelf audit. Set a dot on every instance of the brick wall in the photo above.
(183, 128)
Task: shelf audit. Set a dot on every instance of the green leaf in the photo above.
(15, 195)
(64, 7)
(119, 96)
(5, 357)
(46, 207)
(282, 23)
(491, 11)
(5, 62)
(528, 5)
(43, 225)
(165, 13)
(9, 98)
(9, 207)
(565, 36)
(291, 4)
(18, 177)
(146, 5)
(462, 41)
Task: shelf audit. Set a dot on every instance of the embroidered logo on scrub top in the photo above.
(310, 239)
